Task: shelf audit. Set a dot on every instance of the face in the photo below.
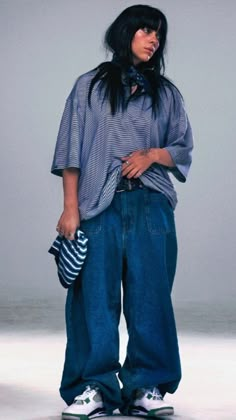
(144, 44)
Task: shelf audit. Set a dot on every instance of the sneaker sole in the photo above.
(67, 416)
(158, 412)
(165, 411)
(74, 416)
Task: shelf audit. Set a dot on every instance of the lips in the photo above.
(149, 50)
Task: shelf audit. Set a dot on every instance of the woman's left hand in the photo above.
(136, 163)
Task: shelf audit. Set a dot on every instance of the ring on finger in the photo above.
(127, 162)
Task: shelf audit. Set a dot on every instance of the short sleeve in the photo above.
(67, 150)
(179, 138)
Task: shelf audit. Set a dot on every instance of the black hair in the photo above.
(118, 39)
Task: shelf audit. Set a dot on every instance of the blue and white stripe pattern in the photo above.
(93, 140)
(69, 256)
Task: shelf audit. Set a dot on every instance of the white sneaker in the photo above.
(149, 403)
(87, 405)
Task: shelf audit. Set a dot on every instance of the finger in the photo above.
(60, 230)
(70, 236)
(133, 173)
(126, 157)
(126, 163)
(138, 174)
(126, 170)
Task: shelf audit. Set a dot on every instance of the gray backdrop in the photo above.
(45, 45)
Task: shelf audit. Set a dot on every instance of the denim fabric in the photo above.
(132, 242)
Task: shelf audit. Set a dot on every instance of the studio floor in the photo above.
(31, 364)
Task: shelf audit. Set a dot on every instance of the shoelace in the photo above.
(155, 393)
(87, 393)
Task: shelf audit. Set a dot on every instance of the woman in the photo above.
(124, 129)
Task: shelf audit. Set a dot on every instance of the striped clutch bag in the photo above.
(69, 257)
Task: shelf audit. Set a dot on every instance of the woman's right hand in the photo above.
(68, 223)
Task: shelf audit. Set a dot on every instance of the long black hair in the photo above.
(118, 39)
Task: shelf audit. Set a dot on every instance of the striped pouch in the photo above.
(69, 257)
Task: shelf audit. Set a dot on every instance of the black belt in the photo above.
(126, 184)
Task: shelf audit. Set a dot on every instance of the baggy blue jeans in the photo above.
(132, 242)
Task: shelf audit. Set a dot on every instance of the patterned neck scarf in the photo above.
(134, 77)
(131, 76)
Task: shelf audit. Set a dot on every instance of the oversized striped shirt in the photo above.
(93, 140)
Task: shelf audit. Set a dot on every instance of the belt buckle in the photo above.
(129, 185)
(120, 190)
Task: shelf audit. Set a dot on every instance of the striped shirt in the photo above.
(93, 140)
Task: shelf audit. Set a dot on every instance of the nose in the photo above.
(153, 39)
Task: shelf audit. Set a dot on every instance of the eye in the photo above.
(148, 31)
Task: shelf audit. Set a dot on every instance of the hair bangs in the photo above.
(148, 21)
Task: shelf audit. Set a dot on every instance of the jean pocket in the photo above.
(93, 225)
(159, 213)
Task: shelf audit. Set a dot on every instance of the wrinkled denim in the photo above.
(133, 243)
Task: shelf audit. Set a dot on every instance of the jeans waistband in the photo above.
(126, 184)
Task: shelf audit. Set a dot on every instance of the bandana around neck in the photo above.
(132, 76)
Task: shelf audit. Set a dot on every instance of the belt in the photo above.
(126, 184)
